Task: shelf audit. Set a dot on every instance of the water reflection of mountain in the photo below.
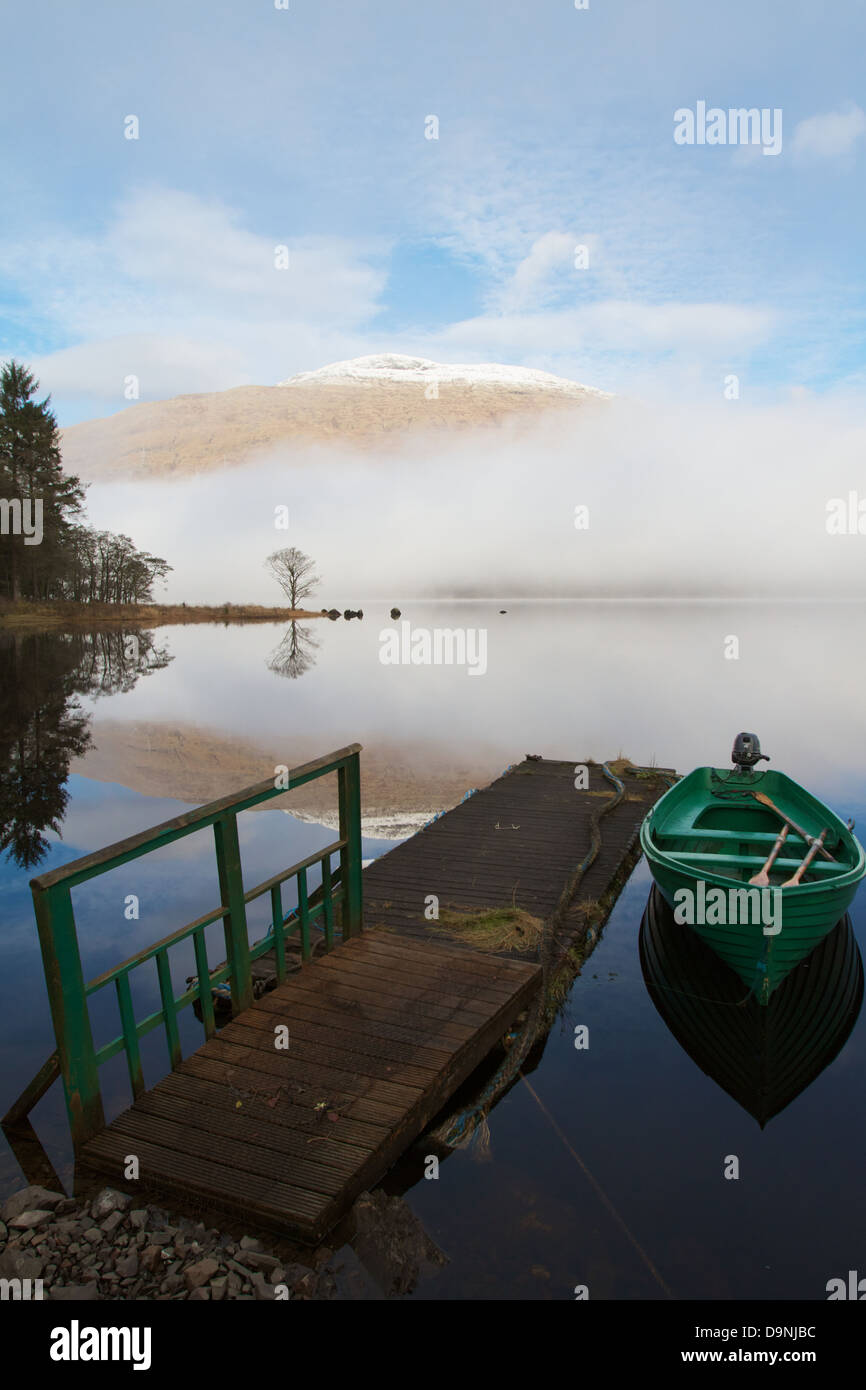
(42, 725)
(762, 1056)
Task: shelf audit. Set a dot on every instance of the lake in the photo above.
(606, 1165)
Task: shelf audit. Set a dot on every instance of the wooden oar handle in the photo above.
(762, 879)
(775, 851)
(813, 850)
(810, 839)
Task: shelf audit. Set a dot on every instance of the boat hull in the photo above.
(708, 835)
(763, 1057)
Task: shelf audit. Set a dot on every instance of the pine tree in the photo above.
(31, 474)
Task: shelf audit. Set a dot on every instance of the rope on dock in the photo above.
(471, 1123)
(459, 1129)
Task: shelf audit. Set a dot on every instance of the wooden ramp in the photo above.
(516, 843)
(381, 1032)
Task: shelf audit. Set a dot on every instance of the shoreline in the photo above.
(51, 616)
(109, 1245)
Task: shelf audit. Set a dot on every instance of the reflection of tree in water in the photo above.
(113, 662)
(42, 725)
(295, 654)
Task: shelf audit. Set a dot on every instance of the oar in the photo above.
(810, 839)
(795, 879)
(762, 878)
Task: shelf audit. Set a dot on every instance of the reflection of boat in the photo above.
(712, 833)
(762, 1057)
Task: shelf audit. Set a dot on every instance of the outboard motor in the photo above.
(746, 752)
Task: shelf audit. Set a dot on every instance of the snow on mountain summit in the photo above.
(393, 367)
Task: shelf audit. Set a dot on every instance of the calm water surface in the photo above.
(606, 1166)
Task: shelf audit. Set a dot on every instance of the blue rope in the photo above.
(455, 1131)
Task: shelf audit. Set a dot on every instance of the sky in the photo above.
(306, 127)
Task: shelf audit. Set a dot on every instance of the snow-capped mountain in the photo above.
(392, 367)
(364, 402)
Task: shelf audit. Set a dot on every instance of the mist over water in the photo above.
(563, 679)
(728, 500)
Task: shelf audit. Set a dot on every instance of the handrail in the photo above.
(100, 861)
(308, 863)
(76, 1058)
(206, 920)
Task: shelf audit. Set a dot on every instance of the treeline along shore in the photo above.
(48, 552)
(56, 571)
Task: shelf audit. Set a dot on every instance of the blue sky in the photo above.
(259, 127)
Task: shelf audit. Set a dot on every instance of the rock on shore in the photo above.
(113, 1247)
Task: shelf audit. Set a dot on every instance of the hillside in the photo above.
(367, 401)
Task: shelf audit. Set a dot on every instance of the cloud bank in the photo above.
(680, 502)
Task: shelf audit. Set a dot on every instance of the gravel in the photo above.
(111, 1247)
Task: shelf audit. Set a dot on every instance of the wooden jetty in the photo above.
(313, 1090)
(517, 843)
(381, 1033)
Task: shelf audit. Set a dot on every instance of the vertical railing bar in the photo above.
(205, 997)
(231, 884)
(327, 903)
(304, 914)
(349, 787)
(130, 1035)
(279, 935)
(62, 960)
(64, 980)
(169, 1011)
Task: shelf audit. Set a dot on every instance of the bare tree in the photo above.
(294, 571)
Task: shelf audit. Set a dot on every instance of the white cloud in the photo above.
(164, 365)
(552, 255)
(610, 326)
(181, 292)
(207, 305)
(832, 135)
(193, 249)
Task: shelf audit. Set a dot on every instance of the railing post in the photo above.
(349, 782)
(231, 884)
(64, 979)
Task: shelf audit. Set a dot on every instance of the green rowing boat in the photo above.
(717, 831)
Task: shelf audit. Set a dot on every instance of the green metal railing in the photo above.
(76, 1059)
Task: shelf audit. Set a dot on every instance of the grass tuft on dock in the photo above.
(493, 928)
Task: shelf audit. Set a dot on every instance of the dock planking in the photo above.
(381, 1033)
(385, 1027)
(513, 843)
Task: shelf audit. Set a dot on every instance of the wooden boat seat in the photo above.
(767, 837)
(763, 841)
(710, 857)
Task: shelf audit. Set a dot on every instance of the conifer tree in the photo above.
(31, 474)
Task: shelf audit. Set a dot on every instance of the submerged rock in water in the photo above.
(391, 1243)
(395, 613)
